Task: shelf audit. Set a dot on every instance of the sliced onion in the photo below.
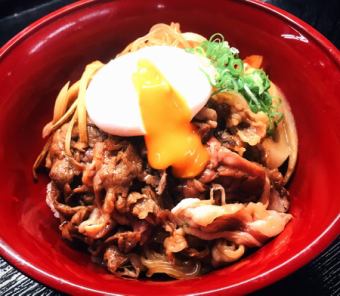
(284, 144)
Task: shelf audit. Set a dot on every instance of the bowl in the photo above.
(39, 60)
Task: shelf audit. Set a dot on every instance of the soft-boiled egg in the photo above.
(154, 92)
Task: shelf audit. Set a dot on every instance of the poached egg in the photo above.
(154, 92)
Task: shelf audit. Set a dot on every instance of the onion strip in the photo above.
(71, 100)
(61, 103)
(90, 70)
(40, 158)
(73, 92)
(50, 127)
(68, 135)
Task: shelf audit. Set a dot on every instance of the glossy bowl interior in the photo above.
(36, 63)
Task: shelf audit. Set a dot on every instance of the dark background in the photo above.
(324, 15)
(321, 276)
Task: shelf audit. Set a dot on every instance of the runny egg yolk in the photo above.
(171, 140)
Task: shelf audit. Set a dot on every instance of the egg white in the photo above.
(112, 100)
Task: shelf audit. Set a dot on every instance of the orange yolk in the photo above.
(171, 140)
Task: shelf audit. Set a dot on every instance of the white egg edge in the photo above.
(132, 125)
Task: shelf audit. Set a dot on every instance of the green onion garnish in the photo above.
(230, 76)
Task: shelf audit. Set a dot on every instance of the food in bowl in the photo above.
(172, 158)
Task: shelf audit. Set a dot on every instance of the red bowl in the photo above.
(38, 61)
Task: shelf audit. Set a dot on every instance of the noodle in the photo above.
(157, 263)
(160, 34)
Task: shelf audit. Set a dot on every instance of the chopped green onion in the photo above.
(230, 76)
(236, 67)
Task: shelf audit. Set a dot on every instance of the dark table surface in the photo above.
(320, 277)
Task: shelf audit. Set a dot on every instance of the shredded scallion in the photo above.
(230, 76)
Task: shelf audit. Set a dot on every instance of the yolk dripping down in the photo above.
(170, 138)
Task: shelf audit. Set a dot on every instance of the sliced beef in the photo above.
(126, 240)
(243, 180)
(125, 265)
(63, 171)
(206, 122)
(279, 195)
(119, 170)
(114, 259)
(107, 196)
(157, 179)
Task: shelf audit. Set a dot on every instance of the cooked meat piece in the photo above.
(245, 224)
(157, 179)
(205, 121)
(207, 176)
(63, 171)
(279, 202)
(146, 205)
(192, 188)
(139, 204)
(223, 112)
(119, 170)
(242, 180)
(127, 240)
(279, 195)
(57, 147)
(143, 207)
(208, 115)
(121, 205)
(97, 225)
(132, 199)
(96, 162)
(52, 194)
(232, 142)
(192, 252)
(109, 201)
(176, 242)
(69, 229)
(62, 168)
(114, 259)
(95, 135)
(203, 129)
(108, 197)
(151, 177)
(162, 183)
(58, 208)
(250, 127)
